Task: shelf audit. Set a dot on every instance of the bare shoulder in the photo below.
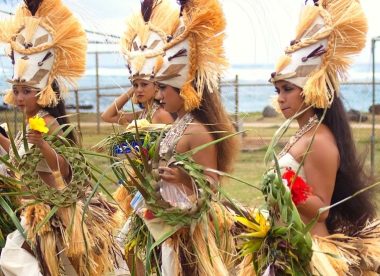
(323, 148)
(51, 122)
(197, 128)
(198, 133)
(161, 116)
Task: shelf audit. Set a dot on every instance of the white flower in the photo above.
(143, 123)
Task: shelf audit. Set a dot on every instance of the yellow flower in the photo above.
(37, 123)
(143, 123)
(258, 228)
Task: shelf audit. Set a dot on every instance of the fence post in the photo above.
(373, 109)
(97, 92)
(237, 102)
(77, 110)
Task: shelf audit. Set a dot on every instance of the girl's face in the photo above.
(290, 99)
(144, 90)
(170, 98)
(26, 99)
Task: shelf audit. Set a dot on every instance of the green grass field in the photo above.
(249, 166)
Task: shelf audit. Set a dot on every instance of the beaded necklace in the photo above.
(299, 133)
(175, 132)
(149, 112)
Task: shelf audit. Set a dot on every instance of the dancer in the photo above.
(141, 67)
(306, 81)
(188, 63)
(144, 93)
(49, 47)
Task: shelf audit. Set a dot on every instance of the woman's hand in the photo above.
(175, 175)
(35, 138)
(179, 178)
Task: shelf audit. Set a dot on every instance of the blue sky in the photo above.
(257, 30)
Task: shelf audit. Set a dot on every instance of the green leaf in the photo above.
(216, 225)
(46, 219)
(24, 140)
(149, 244)
(8, 164)
(13, 217)
(275, 139)
(163, 238)
(201, 147)
(13, 145)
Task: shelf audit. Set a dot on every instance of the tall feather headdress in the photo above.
(329, 32)
(181, 48)
(46, 45)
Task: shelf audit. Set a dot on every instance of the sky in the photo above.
(257, 30)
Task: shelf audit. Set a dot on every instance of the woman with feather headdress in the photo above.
(64, 228)
(180, 205)
(319, 165)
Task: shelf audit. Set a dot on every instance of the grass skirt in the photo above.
(339, 254)
(89, 247)
(205, 248)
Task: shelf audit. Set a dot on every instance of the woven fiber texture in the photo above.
(50, 195)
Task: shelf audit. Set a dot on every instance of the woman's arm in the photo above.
(54, 161)
(321, 166)
(113, 113)
(196, 135)
(207, 157)
(4, 142)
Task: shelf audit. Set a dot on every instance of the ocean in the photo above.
(254, 95)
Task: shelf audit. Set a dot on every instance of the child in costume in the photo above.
(67, 229)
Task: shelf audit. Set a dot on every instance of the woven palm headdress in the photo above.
(48, 45)
(182, 47)
(328, 33)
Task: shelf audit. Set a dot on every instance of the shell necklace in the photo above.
(313, 121)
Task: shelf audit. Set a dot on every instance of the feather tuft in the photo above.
(21, 65)
(47, 97)
(9, 97)
(308, 16)
(282, 63)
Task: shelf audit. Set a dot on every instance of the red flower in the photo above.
(148, 214)
(145, 152)
(298, 187)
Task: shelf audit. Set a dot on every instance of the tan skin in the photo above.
(321, 163)
(145, 92)
(26, 101)
(196, 134)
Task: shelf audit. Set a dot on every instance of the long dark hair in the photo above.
(33, 5)
(350, 216)
(213, 114)
(59, 113)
